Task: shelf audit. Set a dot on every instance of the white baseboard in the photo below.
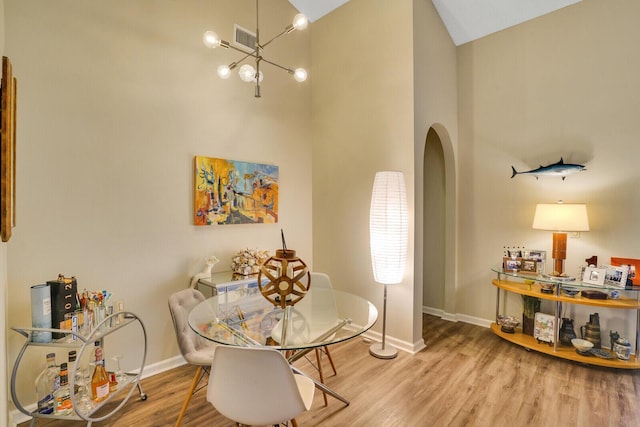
(162, 366)
(433, 311)
(394, 342)
(475, 320)
(453, 317)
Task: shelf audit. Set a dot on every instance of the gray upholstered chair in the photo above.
(196, 350)
(256, 386)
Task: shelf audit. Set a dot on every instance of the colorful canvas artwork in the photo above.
(234, 192)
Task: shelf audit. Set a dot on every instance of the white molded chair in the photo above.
(196, 350)
(256, 386)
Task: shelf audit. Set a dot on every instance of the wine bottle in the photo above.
(100, 379)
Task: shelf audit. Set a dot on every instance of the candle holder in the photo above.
(286, 275)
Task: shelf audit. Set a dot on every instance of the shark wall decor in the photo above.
(556, 169)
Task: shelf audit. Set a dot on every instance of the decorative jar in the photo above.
(622, 348)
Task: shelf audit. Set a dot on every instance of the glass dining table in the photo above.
(243, 317)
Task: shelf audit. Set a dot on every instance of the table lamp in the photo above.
(388, 232)
(560, 218)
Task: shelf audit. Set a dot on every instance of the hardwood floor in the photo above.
(465, 377)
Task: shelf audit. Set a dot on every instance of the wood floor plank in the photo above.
(466, 376)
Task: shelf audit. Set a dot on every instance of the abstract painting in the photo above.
(234, 192)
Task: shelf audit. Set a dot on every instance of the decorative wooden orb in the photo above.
(285, 272)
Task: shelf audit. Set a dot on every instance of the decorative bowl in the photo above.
(582, 346)
(547, 288)
(570, 291)
(507, 323)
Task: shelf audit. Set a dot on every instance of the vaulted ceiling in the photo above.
(466, 20)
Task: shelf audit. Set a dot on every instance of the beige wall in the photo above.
(362, 96)
(116, 98)
(563, 85)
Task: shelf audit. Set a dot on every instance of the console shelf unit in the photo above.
(82, 343)
(512, 282)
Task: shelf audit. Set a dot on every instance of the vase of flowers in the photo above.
(248, 261)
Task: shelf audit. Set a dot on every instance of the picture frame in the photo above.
(511, 264)
(231, 192)
(616, 276)
(594, 276)
(8, 96)
(517, 253)
(633, 268)
(529, 266)
(539, 256)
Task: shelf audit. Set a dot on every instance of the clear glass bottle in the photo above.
(47, 382)
(100, 379)
(62, 396)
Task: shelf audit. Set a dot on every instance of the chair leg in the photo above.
(192, 388)
(326, 350)
(294, 423)
(324, 395)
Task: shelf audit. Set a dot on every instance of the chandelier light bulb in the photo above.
(224, 72)
(247, 73)
(211, 39)
(300, 22)
(300, 74)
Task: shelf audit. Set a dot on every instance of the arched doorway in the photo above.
(439, 224)
(434, 225)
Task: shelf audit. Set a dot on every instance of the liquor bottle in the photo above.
(113, 382)
(72, 367)
(62, 396)
(100, 379)
(47, 383)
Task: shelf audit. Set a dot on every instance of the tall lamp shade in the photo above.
(560, 218)
(388, 231)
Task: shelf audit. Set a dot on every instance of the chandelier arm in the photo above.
(252, 54)
(241, 60)
(288, 70)
(285, 31)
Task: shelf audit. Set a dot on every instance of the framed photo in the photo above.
(516, 253)
(616, 276)
(537, 255)
(594, 276)
(633, 267)
(529, 266)
(512, 264)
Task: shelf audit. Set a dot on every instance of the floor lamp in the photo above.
(388, 232)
